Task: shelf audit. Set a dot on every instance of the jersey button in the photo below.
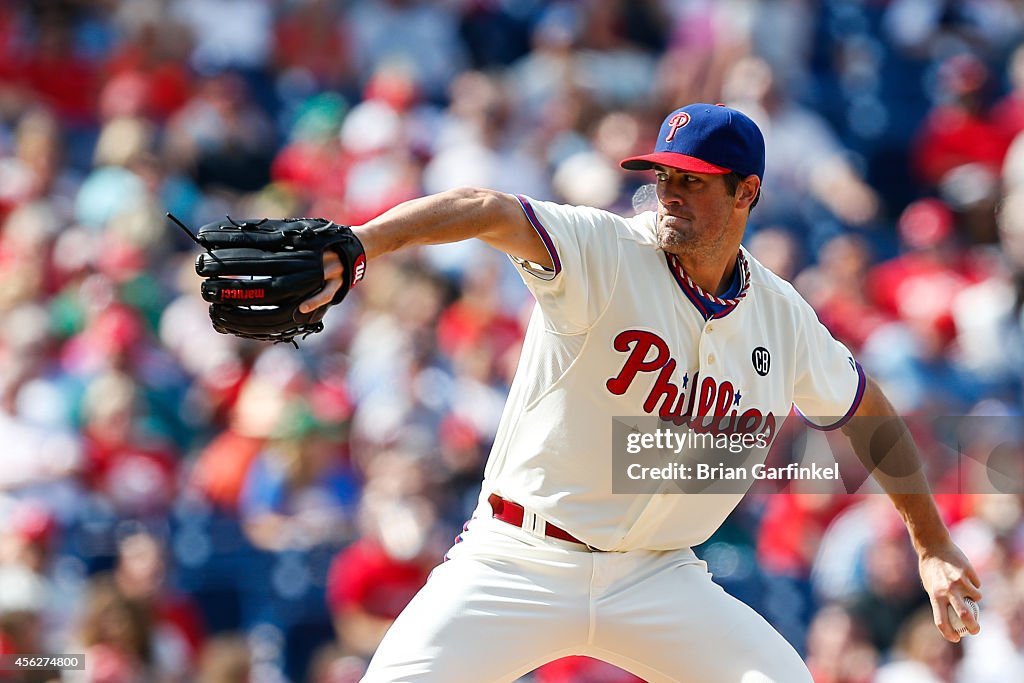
(709, 329)
(711, 358)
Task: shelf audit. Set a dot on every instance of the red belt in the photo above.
(513, 513)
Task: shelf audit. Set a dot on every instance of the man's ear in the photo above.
(747, 192)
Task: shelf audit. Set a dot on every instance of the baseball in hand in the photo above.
(954, 618)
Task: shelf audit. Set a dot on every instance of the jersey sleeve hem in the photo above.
(549, 244)
(861, 383)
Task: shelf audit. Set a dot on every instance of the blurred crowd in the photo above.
(183, 506)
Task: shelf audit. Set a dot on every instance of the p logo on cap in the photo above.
(675, 122)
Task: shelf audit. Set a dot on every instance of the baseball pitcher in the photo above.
(665, 315)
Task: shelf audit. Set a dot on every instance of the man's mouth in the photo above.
(677, 216)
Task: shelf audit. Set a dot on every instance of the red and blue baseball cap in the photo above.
(706, 138)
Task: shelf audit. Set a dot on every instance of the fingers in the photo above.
(975, 580)
(965, 613)
(954, 601)
(332, 266)
(321, 298)
(970, 584)
(333, 271)
(941, 618)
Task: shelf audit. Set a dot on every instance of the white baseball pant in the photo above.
(507, 602)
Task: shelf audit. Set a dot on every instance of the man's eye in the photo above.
(661, 176)
(691, 178)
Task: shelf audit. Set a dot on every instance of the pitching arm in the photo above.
(493, 217)
(884, 444)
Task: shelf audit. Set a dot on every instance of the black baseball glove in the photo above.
(258, 272)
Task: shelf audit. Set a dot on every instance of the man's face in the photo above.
(695, 213)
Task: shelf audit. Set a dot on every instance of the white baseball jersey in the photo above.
(619, 330)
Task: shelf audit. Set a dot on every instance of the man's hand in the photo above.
(333, 270)
(948, 578)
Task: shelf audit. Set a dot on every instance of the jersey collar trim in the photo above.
(708, 305)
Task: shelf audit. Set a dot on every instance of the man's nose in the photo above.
(670, 193)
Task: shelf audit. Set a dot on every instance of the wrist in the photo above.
(929, 539)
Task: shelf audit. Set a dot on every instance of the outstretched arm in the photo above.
(882, 442)
(493, 217)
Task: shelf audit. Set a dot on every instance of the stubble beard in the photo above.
(684, 243)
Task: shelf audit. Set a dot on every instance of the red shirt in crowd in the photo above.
(363, 576)
(952, 137)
